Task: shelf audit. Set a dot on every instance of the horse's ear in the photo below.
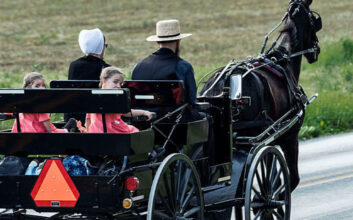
(307, 2)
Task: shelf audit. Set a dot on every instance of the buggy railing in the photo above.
(64, 100)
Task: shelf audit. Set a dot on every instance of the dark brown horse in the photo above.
(276, 93)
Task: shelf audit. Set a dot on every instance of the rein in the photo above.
(248, 63)
(249, 67)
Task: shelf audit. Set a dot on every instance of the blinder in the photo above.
(317, 23)
(315, 18)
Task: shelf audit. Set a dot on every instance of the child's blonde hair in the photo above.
(108, 72)
(30, 78)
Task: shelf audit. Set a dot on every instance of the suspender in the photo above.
(104, 123)
(17, 115)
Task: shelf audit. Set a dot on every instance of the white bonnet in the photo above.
(91, 41)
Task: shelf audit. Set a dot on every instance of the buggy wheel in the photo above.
(176, 191)
(267, 194)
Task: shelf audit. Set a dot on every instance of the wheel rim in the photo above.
(267, 194)
(176, 191)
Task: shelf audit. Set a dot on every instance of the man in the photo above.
(89, 67)
(165, 63)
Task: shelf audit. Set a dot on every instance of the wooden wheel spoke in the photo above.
(185, 183)
(257, 193)
(264, 178)
(180, 168)
(279, 212)
(276, 178)
(170, 199)
(261, 186)
(187, 199)
(259, 214)
(191, 212)
(273, 168)
(173, 189)
(279, 190)
(279, 216)
(161, 214)
(165, 203)
(272, 173)
(269, 217)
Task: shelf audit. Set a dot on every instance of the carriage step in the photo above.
(225, 204)
(213, 187)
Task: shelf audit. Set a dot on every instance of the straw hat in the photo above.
(167, 30)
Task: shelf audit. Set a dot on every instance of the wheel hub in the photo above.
(273, 204)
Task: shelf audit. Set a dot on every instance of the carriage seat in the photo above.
(71, 101)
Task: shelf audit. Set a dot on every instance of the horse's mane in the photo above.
(290, 29)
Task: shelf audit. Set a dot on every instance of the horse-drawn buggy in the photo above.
(169, 169)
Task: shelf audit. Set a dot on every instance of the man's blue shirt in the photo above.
(185, 72)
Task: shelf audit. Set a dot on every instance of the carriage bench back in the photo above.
(158, 96)
(70, 101)
(143, 93)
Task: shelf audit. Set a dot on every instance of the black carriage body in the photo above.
(99, 193)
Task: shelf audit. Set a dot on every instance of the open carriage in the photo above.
(167, 170)
(164, 171)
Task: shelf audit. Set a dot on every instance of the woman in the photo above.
(93, 44)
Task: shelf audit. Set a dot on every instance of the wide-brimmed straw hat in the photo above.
(167, 30)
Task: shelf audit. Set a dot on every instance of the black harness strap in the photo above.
(104, 123)
(17, 115)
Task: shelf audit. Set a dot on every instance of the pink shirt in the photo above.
(33, 123)
(113, 121)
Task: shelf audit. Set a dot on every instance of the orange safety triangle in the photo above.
(54, 187)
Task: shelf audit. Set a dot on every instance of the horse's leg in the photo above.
(289, 146)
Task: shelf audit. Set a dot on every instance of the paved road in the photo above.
(326, 188)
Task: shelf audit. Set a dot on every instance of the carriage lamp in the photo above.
(131, 183)
(127, 203)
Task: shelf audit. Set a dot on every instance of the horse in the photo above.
(273, 96)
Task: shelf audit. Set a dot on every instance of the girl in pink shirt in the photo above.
(112, 78)
(35, 122)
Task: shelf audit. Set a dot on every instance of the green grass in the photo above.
(332, 78)
(42, 36)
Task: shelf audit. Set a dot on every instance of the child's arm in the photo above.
(47, 126)
(88, 123)
(138, 112)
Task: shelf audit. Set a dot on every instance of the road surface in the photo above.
(326, 188)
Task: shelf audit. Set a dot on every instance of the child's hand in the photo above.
(81, 128)
(148, 115)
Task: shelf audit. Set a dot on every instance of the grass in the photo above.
(42, 36)
(332, 78)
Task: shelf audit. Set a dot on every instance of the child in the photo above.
(38, 122)
(112, 78)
